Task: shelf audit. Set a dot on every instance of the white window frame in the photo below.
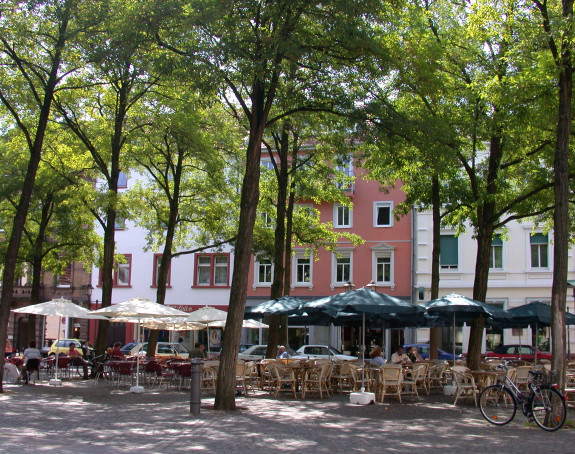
(383, 251)
(376, 207)
(346, 169)
(343, 252)
(529, 255)
(301, 255)
(257, 282)
(492, 256)
(337, 209)
(443, 267)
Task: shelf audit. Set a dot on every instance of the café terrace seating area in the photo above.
(305, 379)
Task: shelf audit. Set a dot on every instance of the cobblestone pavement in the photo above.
(87, 417)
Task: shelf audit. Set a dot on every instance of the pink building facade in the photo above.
(385, 257)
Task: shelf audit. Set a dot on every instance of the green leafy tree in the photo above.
(104, 112)
(35, 58)
(187, 196)
(248, 48)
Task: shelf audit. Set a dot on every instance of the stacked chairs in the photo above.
(316, 380)
(344, 375)
(283, 379)
(465, 385)
(389, 381)
(183, 373)
(423, 377)
(251, 377)
(437, 374)
(411, 378)
(122, 372)
(208, 378)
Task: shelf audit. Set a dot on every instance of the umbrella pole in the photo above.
(56, 381)
(536, 340)
(363, 355)
(453, 340)
(138, 389)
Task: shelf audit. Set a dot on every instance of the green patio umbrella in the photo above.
(284, 305)
(364, 302)
(534, 314)
(461, 309)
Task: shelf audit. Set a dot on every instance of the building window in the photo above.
(342, 216)
(157, 262)
(264, 272)
(382, 214)
(343, 268)
(449, 255)
(122, 180)
(344, 169)
(123, 272)
(496, 255)
(269, 221)
(383, 269)
(382, 265)
(303, 270)
(64, 279)
(119, 223)
(267, 164)
(539, 250)
(212, 270)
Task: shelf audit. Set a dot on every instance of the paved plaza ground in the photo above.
(87, 417)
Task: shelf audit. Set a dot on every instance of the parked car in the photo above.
(258, 352)
(423, 350)
(63, 345)
(244, 347)
(321, 352)
(516, 351)
(163, 349)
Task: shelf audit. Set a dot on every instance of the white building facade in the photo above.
(521, 271)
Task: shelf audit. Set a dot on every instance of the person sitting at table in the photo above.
(116, 352)
(32, 357)
(198, 351)
(282, 353)
(77, 360)
(399, 357)
(376, 356)
(414, 355)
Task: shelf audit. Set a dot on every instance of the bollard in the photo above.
(195, 393)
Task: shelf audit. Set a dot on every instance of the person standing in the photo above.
(198, 351)
(32, 357)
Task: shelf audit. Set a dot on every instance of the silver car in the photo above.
(321, 352)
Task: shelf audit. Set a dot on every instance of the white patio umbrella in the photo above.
(60, 307)
(138, 309)
(245, 324)
(207, 315)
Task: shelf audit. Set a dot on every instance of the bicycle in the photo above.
(543, 403)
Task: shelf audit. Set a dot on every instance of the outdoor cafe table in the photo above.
(485, 378)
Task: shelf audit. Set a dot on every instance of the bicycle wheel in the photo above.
(549, 409)
(497, 405)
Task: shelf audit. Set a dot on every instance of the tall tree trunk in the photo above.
(225, 393)
(275, 337)
(11, 258)
(166, 259)
(561, 213)
(435, 333)
(484, 229)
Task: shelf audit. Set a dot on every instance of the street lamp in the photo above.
(371, 286)
(348, 286)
